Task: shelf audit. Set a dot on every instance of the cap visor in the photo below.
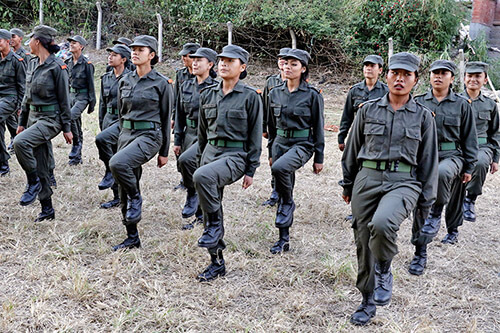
(183, 52)
(30, 34)
(288, 56)
(435, 68)
(403, 66)
(138, 44)
(228, 55)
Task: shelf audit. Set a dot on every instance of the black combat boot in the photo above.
(284, 213)
(348, 218)
(132, 240)
(383, 283)
(365, 311)
(52, 179)
(4, 169)
(214, 231)
(283, 244)
(433, 222)
(469, 209)
(112, 203)
(191, 204)
(32, 189)
(197, 220)
(107, 181)
(451, 237)
(419, 261)
(134, 208)
(216, 268)
(47, 212)
(180, 186)
(273, 199)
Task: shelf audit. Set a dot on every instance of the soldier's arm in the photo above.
(265, 107)
(254, 141)
(318, 118)
(179, 121)
(20, 81)
(102, 105)
(165, 114)
(347, 118)
(202, 130)
(91, 87)
(494, 134)
(271, 126)
(468, 136)
(62, 90)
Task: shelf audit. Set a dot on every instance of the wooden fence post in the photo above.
(294, 39)
(99, 26)
(391, 49)
(461, 68)
(229, 33)
(160, 36)
(40, 12)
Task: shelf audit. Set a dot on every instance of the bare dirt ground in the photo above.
(61, 275)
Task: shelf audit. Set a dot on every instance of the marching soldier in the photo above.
(186, 125)
(390, 167)
(145, 100)
(82, 91)
(107, 140)
(295, 125)
(486, 115)
(229, 147)
(45, 112)
(126, 42)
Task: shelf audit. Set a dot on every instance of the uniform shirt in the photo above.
(149, 99)
(13, 77)
(23, 54)
(271, 82)
(358, 94)
(109, 93)
(81, 76)
(455, 123)
(181, 75)
(487, 124)
(187, 104)
(297, 110)
(47, 84)
(236, 116)
(408, 135)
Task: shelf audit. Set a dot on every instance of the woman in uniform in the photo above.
(229, 147)
(295, 127)
(145, 100)
(45, 112)
(107, 140)
(389, 167)
(186, 126)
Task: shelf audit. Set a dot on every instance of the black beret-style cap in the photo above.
(373, 59)
(404, 60)
(476, 67)
(44, 31)
(189, 48)
(234, 52)
(301, 55)
(17, 32)
(205, 52)
(122, 40)
(444, 64)
(79, 39)
(121, 49)
(283, 52)
(5, 34)
(145, 40)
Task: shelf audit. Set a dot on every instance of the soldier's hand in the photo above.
(346, 198)
(177, 150)
(172, 123)
(18, 112)
(493, 167)
(317, 167)
(19, 129)
(466, 177)
(68, 137)
(162, 160)
(247, 181)
(265, 135)
(270, 161)
(341, 146)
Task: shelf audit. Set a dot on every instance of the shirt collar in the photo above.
(410, 105)
(151, 75)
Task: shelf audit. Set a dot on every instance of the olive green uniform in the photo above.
(144, 104)
(82, 94)
(271, 82)
(186, 126)
(457, 145)
(390, 166)
(229, 141)
(181, 75)
(12, 80)
(45, 111)
(487, 127)
(358, 94)
(295, 125)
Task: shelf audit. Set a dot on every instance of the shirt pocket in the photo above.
(452, 128)
(237, 123)
(374, 132)
(411, 143)
(276, 109)
(44, 86)
(483, 119)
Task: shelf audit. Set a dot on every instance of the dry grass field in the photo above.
(61, 275)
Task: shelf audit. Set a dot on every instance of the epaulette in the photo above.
(371, 101)
(209, 87)
(170, 81)
(465, 98)
(89, 62)
(258, 91)
(17, 56)
(420, 95)
(64, 66)
(425, 108)
(21, 59)
(319, 91)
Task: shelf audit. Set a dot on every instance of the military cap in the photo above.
(122, 40)
(301, 55)
(5, 34)
(189, 48)
(476, 67)
(444, 64)
(17, 32)
(373, 59)
(79, 39)
(145, 40)
(404, 60)
(205, 52)
(234, 52)
(43, 31)
(121, 49)
(283, 52)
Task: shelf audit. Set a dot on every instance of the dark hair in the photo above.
(48, 44)
(212, 72)
(155, 60)
(243, 74)
(304, 76)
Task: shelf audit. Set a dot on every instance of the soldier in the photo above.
(390, 166)
(107, 140)
(12, 79)
(271, 82)
(82, 91)
(126, 42)
(295, 125)
(486, 115)
(145, 100)
(229, 147)
(45, 111)
(186, 125)
(181, 75)
(457, 145)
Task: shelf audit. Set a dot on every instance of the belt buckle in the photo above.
(396, 166)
